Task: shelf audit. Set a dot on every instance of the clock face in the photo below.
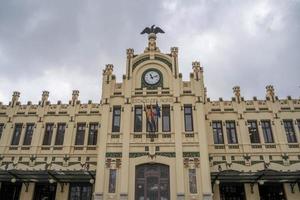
(152, 77)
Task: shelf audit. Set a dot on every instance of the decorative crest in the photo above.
(152, 29)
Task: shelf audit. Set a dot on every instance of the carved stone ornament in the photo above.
(109, 68)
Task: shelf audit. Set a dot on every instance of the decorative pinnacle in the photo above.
(75, 95)
(15, 96)
(270, 91)
(237, 91)
(108, 69)
(45, 95)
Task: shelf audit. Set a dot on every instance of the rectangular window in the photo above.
(28, 134)
(80, 132)
(253, 131)
(1, 130)
(290, 131)
(17, 134)
(298, 122)
(218, 132)
(231, 132)
(112, 180)
(138, 119)
(80, 191)
(116, 119)
(267, 131)
(48, 134)
(166, 122)
(192, 181)
(60, 134)
(152, 119)
(93, 133)
(188, 118)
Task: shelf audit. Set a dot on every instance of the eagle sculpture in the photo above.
(152, 30)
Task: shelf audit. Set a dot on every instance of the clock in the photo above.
(152, 77)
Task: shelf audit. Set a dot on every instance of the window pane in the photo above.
(166, 119)
(79, 140)
(116, 119)
(59, 140)
(28, 134)
(112, 181)
(80, 191)
(231, 132)
(1, 129)
(192, 181)
(218, 132)
(138, 119)
(17, 134)
(188, 118)
(267, 131)
(93, 132)
(48, 134)
(253, 132)
(290, 132)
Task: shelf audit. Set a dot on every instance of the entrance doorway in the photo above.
(232, 191)
(44, 191)
(152, 182)
(271, 191)
(10, 190)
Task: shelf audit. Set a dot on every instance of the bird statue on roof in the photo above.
(152, 29)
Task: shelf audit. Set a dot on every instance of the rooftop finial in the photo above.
(152, 30)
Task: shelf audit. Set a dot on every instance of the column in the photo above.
(178, 146)
(62, 191)
(125, 152)
(27, 191)
(204, 160)
(291, 191)
(100, 172)
(251, 191)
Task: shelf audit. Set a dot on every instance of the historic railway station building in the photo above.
(199, 149)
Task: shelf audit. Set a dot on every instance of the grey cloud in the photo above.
(250, 43)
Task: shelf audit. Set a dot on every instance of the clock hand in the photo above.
(151, 76)
(155, 76)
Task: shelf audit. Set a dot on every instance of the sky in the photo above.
(62, 45)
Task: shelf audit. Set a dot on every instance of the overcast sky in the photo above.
(64, 45)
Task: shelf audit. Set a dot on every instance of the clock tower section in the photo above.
(153, 77)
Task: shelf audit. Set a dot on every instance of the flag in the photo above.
(150, 116)
(157, 108)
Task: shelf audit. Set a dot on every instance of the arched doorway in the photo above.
(152, 182)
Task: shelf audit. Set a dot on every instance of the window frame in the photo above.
(49, 132)
(290, 131)
(117, 128)
(217, 130)
(78, 132)
(168, 116)
(1, 129)
(15, 140)
(231, 131)
(185, 118)
(28, 134)
(193, 181)
(60, 134)
(253, 132)
(93, 133)
(135, 127)
(112, 181)
(267, 131)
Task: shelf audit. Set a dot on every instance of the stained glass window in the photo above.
(192, 181)
(112, 180)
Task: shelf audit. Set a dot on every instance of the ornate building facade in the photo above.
(189, 148)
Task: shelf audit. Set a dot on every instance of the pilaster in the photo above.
(178, 147)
